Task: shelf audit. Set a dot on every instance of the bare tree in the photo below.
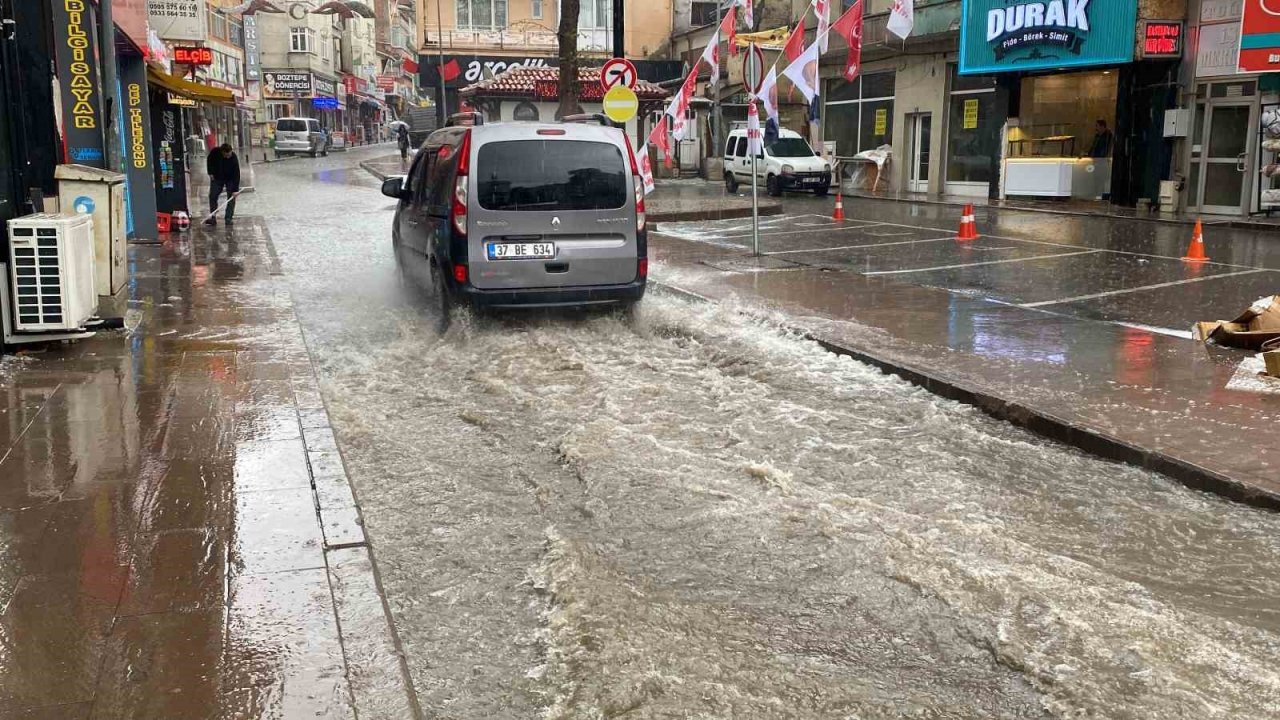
(568, 37)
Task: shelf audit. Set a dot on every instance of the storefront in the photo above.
(1053, 89)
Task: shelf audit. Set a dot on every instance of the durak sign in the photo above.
(1011, 35)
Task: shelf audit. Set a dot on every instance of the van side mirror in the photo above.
(393, 187)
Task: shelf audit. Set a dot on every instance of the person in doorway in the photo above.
(1104, 141)
(224, 176)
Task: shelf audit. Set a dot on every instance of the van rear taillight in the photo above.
(637, 180)
(460, 273)
(459, 212)
(643, 268)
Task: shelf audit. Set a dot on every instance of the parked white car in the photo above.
(788, 163)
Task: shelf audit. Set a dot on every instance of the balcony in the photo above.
(462, 40)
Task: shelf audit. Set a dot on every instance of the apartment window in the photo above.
(595, 14)
(537, 9)
(702, 13)
(237, 32)
(482, 14)
(218, 25)
(302, 40)
(325, 48)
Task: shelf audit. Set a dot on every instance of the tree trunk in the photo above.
(568, 37)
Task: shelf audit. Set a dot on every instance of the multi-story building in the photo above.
(467, 40)
(301, 57)
(366, 107)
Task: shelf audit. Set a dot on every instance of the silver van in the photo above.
(523, 215)
(296, 135)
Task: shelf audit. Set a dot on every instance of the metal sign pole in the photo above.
(755, 208)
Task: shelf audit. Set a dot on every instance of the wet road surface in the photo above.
(694, 513)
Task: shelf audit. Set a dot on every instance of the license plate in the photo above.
(522, 251)
(813, 181)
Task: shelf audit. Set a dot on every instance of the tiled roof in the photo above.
(520, 81)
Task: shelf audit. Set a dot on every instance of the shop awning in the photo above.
(188, 89)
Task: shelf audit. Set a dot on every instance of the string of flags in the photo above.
(801, 69)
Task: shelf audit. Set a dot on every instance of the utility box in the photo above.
(1177, 123)
(85, 190)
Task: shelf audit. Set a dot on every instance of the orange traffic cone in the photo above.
(1195, 251)
(968, 225)
(838, 215)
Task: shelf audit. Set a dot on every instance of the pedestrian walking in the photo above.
(224, 176)
(402, 136)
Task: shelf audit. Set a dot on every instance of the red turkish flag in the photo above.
(849, 27)
(658, 139)
(795, 43)
(729, 29)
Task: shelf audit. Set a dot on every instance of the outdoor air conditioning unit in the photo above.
(52, 272)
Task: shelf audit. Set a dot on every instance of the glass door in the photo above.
(921, 127)
(1221, 168)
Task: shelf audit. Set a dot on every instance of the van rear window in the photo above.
(291, 126)
(551, 175)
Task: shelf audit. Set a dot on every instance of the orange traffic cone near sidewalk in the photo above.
(838, 215)
(968, 225)
(1195, 251)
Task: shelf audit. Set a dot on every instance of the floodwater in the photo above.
(694, 513)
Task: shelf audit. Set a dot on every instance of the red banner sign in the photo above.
(1162, 39)
(550, 90)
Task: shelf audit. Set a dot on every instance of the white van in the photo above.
(788, 163)
(300, 135)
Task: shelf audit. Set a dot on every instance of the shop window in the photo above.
(482, 14)
(526, 112)
(859, 114)
(973, 128)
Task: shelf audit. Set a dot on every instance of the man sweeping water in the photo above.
(224, 176)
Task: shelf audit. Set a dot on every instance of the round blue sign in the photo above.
(84, 205)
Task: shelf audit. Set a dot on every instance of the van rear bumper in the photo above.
(552, 297)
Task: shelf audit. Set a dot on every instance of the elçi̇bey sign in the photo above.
(1002, 36)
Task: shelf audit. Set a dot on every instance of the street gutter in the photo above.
(1046, 425)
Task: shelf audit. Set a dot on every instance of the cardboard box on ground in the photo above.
(1255, 326)
(1273, 363)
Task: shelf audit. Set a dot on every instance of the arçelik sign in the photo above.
(1009, 36)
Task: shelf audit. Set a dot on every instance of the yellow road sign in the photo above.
(621, 104)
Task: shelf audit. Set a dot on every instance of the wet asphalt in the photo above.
(697, 513)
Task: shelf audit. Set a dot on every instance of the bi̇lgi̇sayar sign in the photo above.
(1014, 35)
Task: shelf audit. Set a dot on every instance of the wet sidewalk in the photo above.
(963, 321)
(177, 534)
(672, 201)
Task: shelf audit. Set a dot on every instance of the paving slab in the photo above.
(163, 517)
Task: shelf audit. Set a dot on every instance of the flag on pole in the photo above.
(755, 141)
(711, 56)
(804, 73)
(793, 49)
(679, 107)
(902, 17)
(769, 93)
(795, 43)
(658, 138)
(849, 27)
(729, 29)
(646, 168)
(823, 9)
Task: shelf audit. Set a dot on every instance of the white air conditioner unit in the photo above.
(52, 272)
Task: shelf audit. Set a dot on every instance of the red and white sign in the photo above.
(387, 83)
(753, 68)
(755, 139)
(192, 55)
(1259, 30)
(619, 71)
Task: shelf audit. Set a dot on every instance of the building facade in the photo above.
(467, 41)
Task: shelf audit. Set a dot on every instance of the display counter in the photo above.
(1057, 177)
